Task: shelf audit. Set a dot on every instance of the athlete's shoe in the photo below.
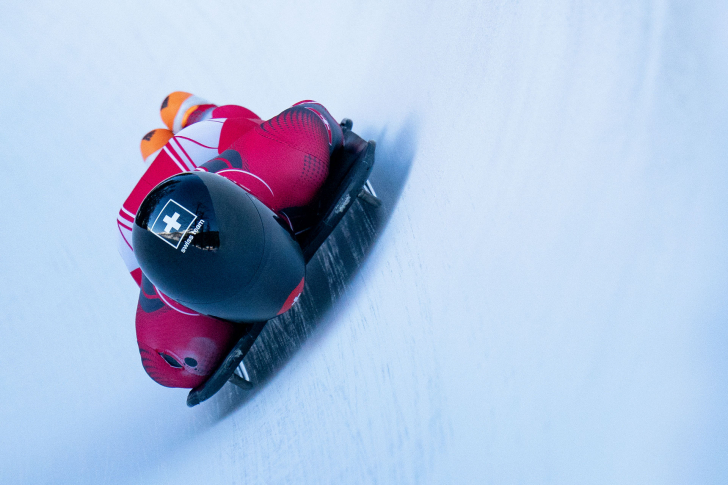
(181, 109)
(153, 142)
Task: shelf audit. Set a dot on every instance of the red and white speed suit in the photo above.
(283, 162)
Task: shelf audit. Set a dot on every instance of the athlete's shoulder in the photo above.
(234, 111)
(238, 122)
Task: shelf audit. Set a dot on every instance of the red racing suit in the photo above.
(283, 162)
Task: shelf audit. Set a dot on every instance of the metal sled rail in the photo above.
(227, 368)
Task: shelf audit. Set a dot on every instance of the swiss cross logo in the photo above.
(172, 223)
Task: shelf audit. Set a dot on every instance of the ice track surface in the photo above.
(542, 298)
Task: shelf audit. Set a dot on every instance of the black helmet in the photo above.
(209, 245)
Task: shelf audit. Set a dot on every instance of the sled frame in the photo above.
(348, 181)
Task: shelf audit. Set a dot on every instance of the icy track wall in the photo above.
(541, 300)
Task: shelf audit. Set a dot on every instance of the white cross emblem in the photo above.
(172, 222)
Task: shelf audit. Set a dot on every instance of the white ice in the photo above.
(546, 304)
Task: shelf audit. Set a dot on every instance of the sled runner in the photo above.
(347, 181)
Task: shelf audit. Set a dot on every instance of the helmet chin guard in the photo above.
(211, 246)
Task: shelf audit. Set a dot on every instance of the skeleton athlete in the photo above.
(282, 162)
